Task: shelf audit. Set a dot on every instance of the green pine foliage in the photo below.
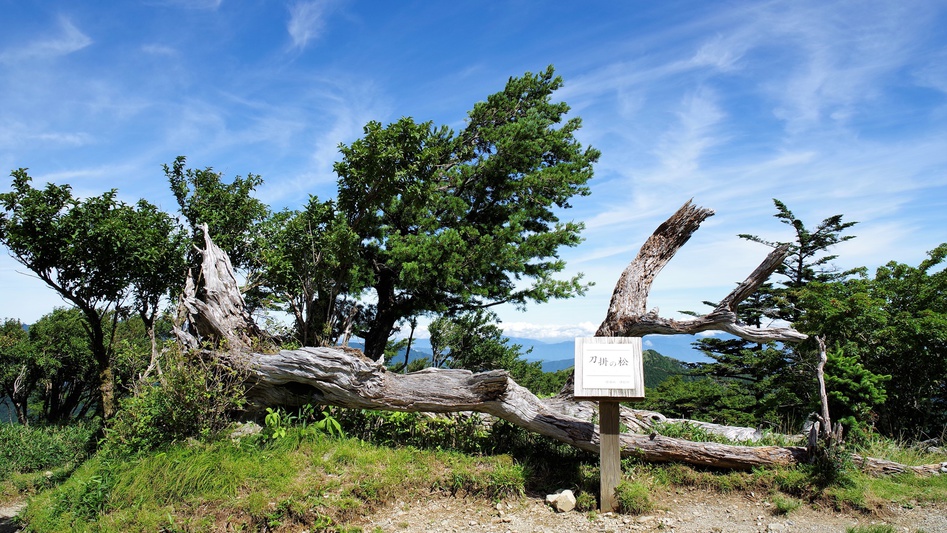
(451, 221)
(893, 324)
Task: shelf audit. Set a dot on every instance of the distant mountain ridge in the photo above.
(658, 365)
(674, 346)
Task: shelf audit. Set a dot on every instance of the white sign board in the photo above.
(609, 367)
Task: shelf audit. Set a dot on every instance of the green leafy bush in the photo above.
(193, 398)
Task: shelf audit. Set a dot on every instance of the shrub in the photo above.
(193, 398)
(633, 497)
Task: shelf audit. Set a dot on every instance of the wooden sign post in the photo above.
(609, 370)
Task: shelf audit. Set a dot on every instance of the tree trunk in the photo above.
(214, 311)
(348, 378)
(826, 419)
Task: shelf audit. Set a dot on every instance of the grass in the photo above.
(633, 497)
(875, 528)
(783, 505)
(307, 479)
(33, 458)
(304, 478)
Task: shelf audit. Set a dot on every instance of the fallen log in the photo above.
(340, 377)
(345, 377)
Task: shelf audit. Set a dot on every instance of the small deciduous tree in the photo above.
(64, 365)
(95, 253)
(232, 215)
(306, 267)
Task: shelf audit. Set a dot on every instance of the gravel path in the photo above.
(683, 512)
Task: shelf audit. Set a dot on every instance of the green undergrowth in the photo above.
(303, 478)
(34, 458)
(326, 470)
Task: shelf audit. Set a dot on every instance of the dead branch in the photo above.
(628, 315)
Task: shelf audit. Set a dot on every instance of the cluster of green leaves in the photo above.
(97, 253)
(278, 423)
(229, 210)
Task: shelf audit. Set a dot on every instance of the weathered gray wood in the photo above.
(826, 419)
(211, 309)
(346, 378)
(609, 455)
(628, 315)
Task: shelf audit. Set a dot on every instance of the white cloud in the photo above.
(16, 134)
(69, 39)
(306, 21)
(548, 332)
(159, 50)
(838, 57)
(682, 147)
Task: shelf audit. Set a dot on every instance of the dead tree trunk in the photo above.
(347, 378)
(211, 308)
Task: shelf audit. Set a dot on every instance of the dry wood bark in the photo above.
(628, 315)
(211, 308)
(345, 377)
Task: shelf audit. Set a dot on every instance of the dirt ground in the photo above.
(682, 511)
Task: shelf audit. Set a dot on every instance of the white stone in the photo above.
(562, 501)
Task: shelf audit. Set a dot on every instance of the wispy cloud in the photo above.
(66, 40)
(189, 4)
(306, 21)
(18, 135)
(839, 57)
(682, 147)
(159, 50)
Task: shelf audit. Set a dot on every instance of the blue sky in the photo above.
(832, 107)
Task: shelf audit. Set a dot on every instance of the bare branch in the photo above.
(628, 315)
